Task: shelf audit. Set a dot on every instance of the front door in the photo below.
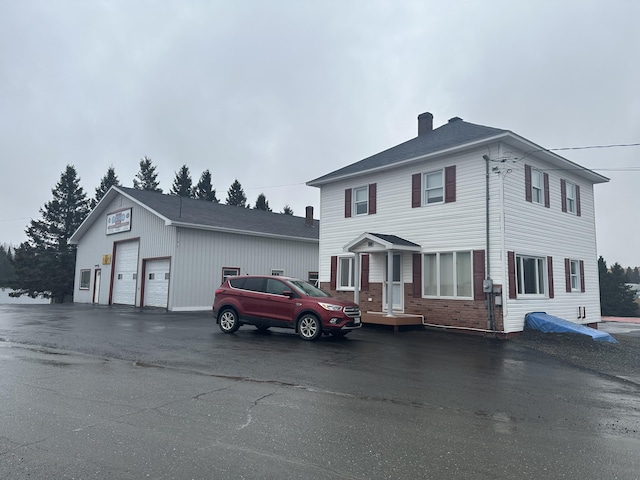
(96, 286)
(396, 283)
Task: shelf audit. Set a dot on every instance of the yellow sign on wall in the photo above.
(106, 259)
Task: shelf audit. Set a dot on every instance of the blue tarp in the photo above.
(550, 324)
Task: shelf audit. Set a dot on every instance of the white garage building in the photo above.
(145, 248)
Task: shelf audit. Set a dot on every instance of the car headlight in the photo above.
(329, 306)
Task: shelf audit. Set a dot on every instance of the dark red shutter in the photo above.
(563, 193)
(334, 272)
(547, 196)
(582, 285)
(450, 184)
(511, 263)
(364, 272)
(550, 276)
(567, 274)
(527, 184)
(417, 275)
(578, 211)
(372, 198)
(416, 190)
(347, 203)
(478, 274)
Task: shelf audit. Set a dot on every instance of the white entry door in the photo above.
(125, 275)
(156, 283)
(396, 283)
(96, 286)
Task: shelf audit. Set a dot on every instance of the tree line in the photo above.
(44, 264)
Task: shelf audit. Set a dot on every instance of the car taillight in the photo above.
(218, 291)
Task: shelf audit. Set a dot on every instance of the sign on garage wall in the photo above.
(119, 221)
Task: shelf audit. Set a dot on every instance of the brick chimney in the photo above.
(309, 216)
(425, 123)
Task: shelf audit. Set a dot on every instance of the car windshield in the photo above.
(307, 289)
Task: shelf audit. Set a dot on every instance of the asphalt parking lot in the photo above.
(111, 392)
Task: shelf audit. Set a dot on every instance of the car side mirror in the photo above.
(287, 293)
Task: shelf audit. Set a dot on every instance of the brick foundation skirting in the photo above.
(437, 311)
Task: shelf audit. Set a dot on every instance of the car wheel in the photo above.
(309, 327)
(339, 333)
(228, 320)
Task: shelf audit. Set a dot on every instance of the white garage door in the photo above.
(125, 273)
(156, 283)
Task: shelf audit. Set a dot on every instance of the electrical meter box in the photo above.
(487, 285)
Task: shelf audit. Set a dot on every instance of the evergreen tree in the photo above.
(635, 278)
(182, 183)
(287, 210)
(110, 179)
(204, 190)
(616, 298)
(7, 271)
(146, 179)
(235, 195)
(262, 203)
(45, 263)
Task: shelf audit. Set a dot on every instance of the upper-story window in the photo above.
(433, 187)
(361, 200)
(536, 186)
(570, 193)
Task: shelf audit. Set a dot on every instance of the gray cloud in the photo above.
(277, 93)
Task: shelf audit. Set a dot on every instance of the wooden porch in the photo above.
(396, 321)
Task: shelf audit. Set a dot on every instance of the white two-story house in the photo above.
(477, 226)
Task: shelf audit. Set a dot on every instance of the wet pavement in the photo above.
(122, 393)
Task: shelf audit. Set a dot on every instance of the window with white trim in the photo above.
(447, 274)
(537, 186)
(574, 275)
(346, 274)
(85, 279)
(571, 197)
(361, 200)
(530, 275)
(313, 279)
(277, 272)
(433, 187)
(229, 272)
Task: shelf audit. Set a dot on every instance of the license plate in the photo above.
(356, 321)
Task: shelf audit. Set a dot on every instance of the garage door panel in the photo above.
(156, 288)
(125, 275)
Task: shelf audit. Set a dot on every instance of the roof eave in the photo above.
(250, 233)
(318, 182)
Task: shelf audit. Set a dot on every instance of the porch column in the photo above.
(356, 280)
(389, 283)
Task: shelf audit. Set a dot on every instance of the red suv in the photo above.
(274, 301)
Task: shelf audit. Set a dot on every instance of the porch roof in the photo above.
(379, 242)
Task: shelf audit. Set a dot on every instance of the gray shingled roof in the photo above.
(452, 134)
(394, 239)
(199, 213)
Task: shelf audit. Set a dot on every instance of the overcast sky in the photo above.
(276, 93)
